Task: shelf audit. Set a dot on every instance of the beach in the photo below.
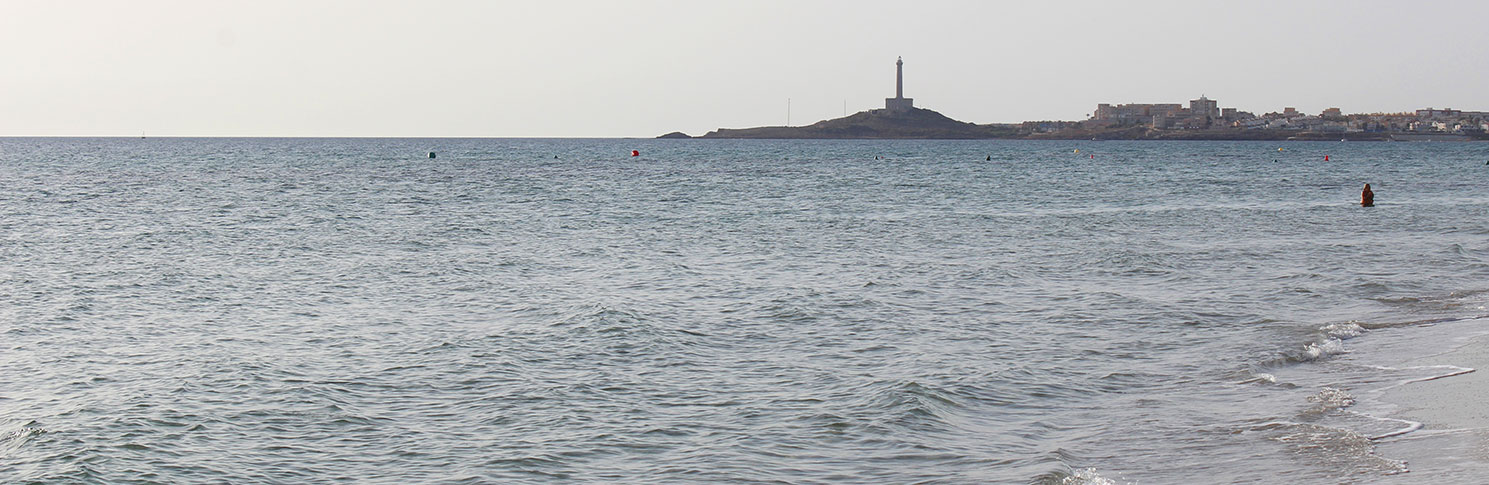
(1446, 438)
(1454, 401)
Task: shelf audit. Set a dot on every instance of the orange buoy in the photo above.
(635, 153)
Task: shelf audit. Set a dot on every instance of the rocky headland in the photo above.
(920, 123)
(913, 123)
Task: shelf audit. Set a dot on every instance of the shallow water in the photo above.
(284, 310)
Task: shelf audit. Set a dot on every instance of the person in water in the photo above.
(1367, 198)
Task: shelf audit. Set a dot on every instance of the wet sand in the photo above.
(1452, 402)
(1450, 444)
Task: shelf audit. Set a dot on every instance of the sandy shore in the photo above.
(1455, 402)
(1445, 412)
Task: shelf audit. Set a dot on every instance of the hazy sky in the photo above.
(643, 68)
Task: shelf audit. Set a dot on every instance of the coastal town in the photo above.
(1201, 119)
(1204, 118)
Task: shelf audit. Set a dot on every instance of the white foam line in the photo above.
(1457, 371)
(1410, 426)
(1428, 433)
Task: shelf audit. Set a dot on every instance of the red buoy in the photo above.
(1326, 158)
(635, 153)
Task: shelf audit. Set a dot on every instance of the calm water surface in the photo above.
(540, 311)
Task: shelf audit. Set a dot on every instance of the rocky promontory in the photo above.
(919, 123)
(913, 123)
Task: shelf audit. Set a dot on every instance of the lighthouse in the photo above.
(899, 102)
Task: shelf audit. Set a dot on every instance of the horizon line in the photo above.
(451, 137)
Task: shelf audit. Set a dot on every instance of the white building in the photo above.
(899, 102)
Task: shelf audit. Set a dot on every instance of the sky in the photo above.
(556, 68)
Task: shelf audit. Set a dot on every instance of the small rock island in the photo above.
(899, 119)
(886, 123)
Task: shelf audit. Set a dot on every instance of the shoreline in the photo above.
(1452, 399)
(798, 133)
(921, 123)
(1444, 436)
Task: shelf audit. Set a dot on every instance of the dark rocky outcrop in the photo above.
(917, 123)
(675, 134)
(914, 123)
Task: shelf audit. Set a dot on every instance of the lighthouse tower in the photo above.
(899, 102)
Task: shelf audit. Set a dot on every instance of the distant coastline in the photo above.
(1203, 119)
(920, 123)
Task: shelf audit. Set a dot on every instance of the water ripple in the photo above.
(303, 310)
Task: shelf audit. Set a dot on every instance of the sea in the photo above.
(261, 310)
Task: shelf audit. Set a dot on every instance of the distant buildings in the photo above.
(1153, 119)
(1133, 113)
(1205, 114)
(1205, 107)
(1202, 113)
